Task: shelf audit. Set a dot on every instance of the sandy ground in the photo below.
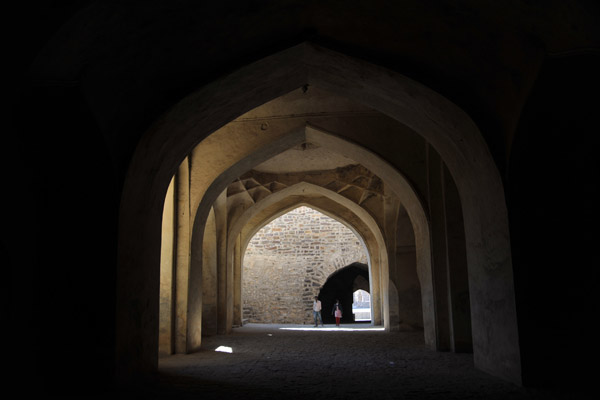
(301, 362)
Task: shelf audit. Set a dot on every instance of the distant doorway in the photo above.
(361, 306)
(289, 259)
(341, 285)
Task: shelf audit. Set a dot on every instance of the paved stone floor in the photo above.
(352, 362)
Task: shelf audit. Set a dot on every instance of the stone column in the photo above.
(167, 258)
(435, 197)
(407, 280)
(237, 282)
(209, 277)
(229, 276)
(220, 207)
(376, 294)
(195, 296)
(182, 267)
(460, 310)
(391, 205)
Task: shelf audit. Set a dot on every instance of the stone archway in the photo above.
(340, 286)
(398, 183)
(284, 140)
(334, 206)
(447, 128)
(288, 259)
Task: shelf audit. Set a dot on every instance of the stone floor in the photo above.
(354, 361)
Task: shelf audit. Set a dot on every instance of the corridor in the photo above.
(352, 362)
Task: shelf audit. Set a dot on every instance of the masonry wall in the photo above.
(287, 262)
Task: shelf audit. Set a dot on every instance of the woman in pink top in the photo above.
(337, 312)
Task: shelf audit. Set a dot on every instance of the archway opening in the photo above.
(287, 262)
(302, 164)
(340, 287)
(361, 306)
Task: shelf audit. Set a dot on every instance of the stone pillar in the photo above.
(384, 285)
(209, 277)
(391, 205)
(220, 207)
(167, 258)
(394, 307)
(376, 294)
(230, 262)
(237, 282)
(195, 297)
(182, 267)
(435, 197)
(407, 280)
(460, 310)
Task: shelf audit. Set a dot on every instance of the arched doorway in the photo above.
(340, 286)
(288, 260)
(341, 209)
(361, 303)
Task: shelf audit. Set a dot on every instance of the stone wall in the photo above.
(288, 261)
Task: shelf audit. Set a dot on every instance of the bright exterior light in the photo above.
(224, 349)
(334, 329)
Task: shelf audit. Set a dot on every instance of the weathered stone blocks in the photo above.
(287, 262)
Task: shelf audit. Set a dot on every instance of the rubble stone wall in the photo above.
(287, 262)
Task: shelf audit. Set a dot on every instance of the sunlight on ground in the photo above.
(224, 349)
(332, 329)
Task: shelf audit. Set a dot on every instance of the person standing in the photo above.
(337, 312)
(317, 311)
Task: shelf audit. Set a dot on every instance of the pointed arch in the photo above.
(282, 248)
(334, 206)
(287, 139)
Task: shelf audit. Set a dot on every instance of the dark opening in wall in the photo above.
(340, 286)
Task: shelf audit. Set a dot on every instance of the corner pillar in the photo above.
(182, 267)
